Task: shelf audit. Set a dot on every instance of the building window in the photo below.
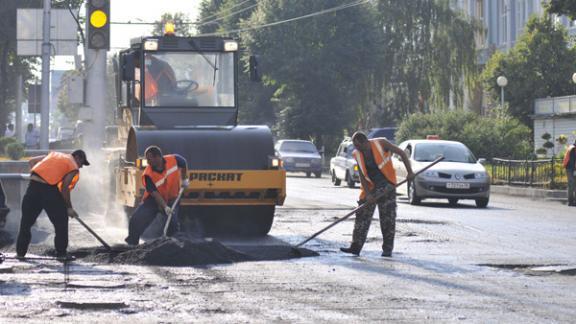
(503, 10)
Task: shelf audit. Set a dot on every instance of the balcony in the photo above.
(555, 106)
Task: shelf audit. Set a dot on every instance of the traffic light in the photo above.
(98, 24)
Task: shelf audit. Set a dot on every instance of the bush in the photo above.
(498, 135)
(15, 151)
(4, 141)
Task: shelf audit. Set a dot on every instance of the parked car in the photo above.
(299, 156)
(343, 166)
(388, 132)
(459, 176)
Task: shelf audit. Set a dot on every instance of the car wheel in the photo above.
(482, 202)
(335, 180)
(317, 174)
(412, 196)
(308, 174)
(453, 201)
(349, 181)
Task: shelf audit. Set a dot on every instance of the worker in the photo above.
(377, 177)
(163, 177)
(570, 166)
(159, 79)
(52, 177)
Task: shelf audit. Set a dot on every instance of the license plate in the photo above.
(457, 185)
(302, 165)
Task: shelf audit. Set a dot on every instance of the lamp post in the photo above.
(502, 82)
(574, 80)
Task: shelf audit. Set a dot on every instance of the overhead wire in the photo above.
(313, 14)
(228, 15)
(216, 14)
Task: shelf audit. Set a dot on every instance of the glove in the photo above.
(167, 210)
(185, 183)
(71, 212)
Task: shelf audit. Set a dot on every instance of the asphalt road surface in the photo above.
(514, 261)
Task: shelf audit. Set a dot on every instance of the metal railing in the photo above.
(548, 173)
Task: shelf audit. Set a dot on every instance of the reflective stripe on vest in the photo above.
(54, 167)
(382, 159)
(168, 182)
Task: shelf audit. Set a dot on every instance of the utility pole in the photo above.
(45, 98)
(95, 96)
(18, 121)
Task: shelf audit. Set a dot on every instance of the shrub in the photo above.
(498, 135)
(4, 141)
(15, 151)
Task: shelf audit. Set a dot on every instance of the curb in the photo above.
(534, 193)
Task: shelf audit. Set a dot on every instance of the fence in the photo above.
(547, 173)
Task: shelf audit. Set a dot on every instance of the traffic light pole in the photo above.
(45, 98)
(96, 94)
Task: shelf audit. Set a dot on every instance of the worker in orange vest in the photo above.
(52, 177)
(377, 176)
(163, 177)
(570, 166)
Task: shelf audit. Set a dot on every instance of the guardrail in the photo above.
(548, 173)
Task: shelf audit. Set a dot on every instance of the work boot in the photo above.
(130, 242)
(65, 257)
(20, 256)
(386, 254)
(352, 250)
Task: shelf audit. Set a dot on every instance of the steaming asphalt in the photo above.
(510, 262)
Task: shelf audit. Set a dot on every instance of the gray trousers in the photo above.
(387, 210)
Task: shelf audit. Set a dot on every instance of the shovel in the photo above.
(174, 204)
(364, 205)
(106, 246)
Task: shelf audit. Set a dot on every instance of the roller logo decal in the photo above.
(216, 176)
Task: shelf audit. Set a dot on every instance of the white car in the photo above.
(459, 176)
(343, 166)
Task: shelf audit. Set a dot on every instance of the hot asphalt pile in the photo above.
(187, 252)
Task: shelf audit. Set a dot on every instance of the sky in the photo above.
(134, 11)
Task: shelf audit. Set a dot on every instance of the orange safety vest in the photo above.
(382, 159)
(54, 167)
(167, 182)
(150, 86)
(567, 155)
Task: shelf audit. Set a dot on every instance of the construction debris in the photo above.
(188, 252)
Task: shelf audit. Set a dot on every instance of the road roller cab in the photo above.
(180, 93)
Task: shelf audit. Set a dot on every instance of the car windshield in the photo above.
(184, 79)
(452, 152)
(301, 147)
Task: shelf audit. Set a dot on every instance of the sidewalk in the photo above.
(534, 193)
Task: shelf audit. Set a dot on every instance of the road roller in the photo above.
(181, 94)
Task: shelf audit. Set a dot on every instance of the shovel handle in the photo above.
(366, 204)
(93, 233)
(174, 204)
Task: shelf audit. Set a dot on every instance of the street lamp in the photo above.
(574, 80)
(502, 82)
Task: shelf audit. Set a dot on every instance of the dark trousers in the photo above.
(571, 187)
(387, 209)
(38, 197)
(144, 215)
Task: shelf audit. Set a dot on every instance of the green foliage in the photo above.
(563, 7)
(15, 151)
(539, 65)
(4, 141)
(492, 136)
(562, 139)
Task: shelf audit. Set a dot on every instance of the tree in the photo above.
(315, 65)
(563, 7)
(539, 65)
(428, 53)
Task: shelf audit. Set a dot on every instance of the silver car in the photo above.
(459, 176)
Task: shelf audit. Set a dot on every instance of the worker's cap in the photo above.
(82, 155)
